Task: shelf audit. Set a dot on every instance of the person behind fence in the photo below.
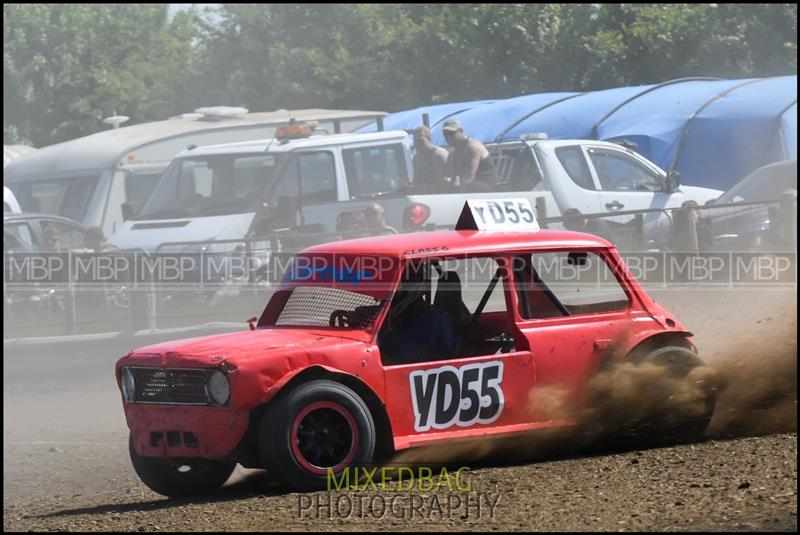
(52, 239)
(376, 221)
(94, 240)
(430, 161)
(470, 162)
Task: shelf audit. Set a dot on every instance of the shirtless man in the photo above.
(470, 160)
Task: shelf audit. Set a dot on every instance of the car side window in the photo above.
(620, 172)
(288, 183)
(566, 283)
(319, 177)
(375, 170)
(575, 164)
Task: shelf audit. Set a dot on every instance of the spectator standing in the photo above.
(430, 161)
(470, 161)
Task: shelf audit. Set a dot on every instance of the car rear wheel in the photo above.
(317, 428)
(684, 399)
(176, 479)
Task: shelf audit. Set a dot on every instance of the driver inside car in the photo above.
(417, 331)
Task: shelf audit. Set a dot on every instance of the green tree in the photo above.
(66, 66)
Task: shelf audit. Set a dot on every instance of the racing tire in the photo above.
(318, 426)
(673, 426)
(177, 479)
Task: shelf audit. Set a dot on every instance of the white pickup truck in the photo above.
(239, 190)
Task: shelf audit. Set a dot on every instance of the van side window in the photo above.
(574, 162)
(565, 284)
(374, 170)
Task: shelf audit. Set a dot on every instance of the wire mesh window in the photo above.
(319, 306)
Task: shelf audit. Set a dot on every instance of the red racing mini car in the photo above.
(374, 345)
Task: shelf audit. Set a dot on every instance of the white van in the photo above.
(104, 178)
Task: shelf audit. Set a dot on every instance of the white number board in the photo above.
(497, 214)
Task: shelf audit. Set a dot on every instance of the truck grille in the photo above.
(171, 385)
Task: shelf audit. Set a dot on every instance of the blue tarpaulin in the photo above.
(408, 120)
(574, 117)
(712, 131)
(501, 114)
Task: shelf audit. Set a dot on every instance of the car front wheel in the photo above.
(317, 429)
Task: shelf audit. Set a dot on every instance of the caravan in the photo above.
(104, 178)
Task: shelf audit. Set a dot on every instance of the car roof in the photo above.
(260, 145)
(459, 242)
(104, 149)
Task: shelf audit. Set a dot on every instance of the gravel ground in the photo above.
(737, 484)
(66, 465)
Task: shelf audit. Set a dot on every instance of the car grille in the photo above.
(171, 385)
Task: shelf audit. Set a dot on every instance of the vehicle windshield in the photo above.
(68, 196)
(321, 306)
(766, 184)
(210, 185)
(332, 290)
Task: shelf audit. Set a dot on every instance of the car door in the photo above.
(477, 394)
(573, 316)
(626, 183)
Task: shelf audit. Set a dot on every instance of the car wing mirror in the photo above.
(673, 181)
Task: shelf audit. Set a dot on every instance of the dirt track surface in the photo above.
(740, 484)
(66, 465)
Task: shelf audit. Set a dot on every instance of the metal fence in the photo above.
(188, 283)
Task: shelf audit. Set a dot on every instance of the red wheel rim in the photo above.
(320, 432)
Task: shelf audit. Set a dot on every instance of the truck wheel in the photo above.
(319, 426)
(678, 424)
(177, 479)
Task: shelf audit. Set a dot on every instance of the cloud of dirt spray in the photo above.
(755, 394)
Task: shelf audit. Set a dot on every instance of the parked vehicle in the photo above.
(233, 191)
(104, 178)
(592, 177)
(26, 232)
(755, 227)
(327, 379)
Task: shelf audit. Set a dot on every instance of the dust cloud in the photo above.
(755, 389)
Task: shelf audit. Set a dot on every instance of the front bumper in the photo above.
(180, 431)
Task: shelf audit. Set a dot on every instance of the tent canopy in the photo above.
(712, 131)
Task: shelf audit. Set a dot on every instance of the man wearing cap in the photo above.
(430, 161)
(470, 160)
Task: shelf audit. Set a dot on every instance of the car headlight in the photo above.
(218, 389)
(128, 384)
